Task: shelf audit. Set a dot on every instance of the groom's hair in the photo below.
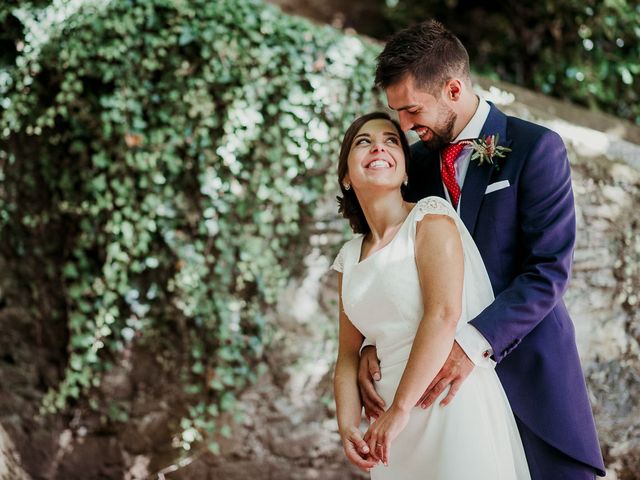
(428, 52)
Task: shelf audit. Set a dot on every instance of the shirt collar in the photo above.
(474, 127)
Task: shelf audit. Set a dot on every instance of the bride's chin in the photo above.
(381, 184)
(374, 194)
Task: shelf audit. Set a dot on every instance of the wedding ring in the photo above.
(379, 444)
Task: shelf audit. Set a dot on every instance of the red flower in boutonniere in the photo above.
(484, 149)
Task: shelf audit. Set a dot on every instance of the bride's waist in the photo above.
(392, 353)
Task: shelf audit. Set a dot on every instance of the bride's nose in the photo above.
(377, 147)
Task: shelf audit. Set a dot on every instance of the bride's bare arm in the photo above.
(348, 403)
(440, 268)
(440, 263)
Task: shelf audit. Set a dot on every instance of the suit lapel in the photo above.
(477, 177)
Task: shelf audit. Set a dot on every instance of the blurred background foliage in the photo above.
(161, 161)
(160, 164)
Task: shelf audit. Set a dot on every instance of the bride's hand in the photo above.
(384, 431)
(357, 450)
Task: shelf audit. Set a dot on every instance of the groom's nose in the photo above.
(405, 121)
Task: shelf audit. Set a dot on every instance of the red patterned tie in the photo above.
(449, 156)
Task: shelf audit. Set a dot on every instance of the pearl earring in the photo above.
(346, 186)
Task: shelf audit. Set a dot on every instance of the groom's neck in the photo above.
(467, 109)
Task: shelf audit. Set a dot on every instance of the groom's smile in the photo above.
(424, 133)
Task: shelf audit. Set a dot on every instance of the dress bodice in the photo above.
(381, 294)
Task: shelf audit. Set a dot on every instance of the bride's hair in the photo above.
(348, 204)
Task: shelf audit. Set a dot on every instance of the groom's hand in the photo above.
(455, 370)
(368, 371)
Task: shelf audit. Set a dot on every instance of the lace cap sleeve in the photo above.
(433, 205)
(338, 263)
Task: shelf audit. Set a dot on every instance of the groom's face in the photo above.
(430, 117)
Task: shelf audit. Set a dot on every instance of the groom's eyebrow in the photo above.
(406, 107)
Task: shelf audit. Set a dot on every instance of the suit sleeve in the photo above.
(547, 230)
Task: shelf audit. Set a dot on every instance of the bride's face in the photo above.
(376, 159)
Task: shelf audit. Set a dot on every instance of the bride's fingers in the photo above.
(380, 450)
(367, 441)
(359, 443)
(364, 464)
(374, 451)
(385, 452)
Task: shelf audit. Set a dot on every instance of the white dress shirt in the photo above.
(468, 337)
(470, 131)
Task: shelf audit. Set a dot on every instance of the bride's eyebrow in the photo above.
(366, 135)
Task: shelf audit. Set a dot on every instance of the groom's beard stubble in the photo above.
(444, 136)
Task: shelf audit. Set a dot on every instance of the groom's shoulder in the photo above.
(527, 131)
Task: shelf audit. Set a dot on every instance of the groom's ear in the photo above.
(453, 89)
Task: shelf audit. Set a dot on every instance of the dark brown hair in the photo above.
(428, 52)
(348, 204)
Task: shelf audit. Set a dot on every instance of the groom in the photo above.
(519, 209)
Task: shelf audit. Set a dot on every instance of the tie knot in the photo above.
(450, 152)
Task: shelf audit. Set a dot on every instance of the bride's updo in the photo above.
(348, 204)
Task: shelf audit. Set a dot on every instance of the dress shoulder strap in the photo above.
(340, 260)
(435, 206)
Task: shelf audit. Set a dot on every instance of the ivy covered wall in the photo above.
(159, 165)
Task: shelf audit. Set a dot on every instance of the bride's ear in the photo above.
(346, 182)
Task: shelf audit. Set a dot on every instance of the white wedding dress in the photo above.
(475, 437)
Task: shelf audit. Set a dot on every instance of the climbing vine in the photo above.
(161, 161)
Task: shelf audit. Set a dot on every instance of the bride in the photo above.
(410, 277)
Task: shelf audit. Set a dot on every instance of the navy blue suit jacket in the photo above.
(526, 234)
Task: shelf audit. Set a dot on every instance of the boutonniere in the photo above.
(485, 149)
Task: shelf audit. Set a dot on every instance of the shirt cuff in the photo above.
(475, 346)
(367, 343)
